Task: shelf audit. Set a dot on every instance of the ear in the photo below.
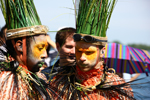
(57, 46)
(19, 46)
(102, 52)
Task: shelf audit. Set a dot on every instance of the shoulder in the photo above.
(3, 74)
(53, 67)
(53, 52)
(51, 71)
(114, 79)
(3, 52)
(8, 88)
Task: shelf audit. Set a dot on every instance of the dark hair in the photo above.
(62, 34)
(10, 47)
(2, 31)
(3, 35)
(101, 46)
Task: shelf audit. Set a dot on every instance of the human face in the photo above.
(67, 52)
(36, 50)
(87, 55)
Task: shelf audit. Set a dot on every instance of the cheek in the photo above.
(92, 56)
(64, 50)
(37, 53)
(78, 54)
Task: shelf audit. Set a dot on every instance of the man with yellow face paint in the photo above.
(87, 56)
(90, 79)
(94, 78)
(27, 47)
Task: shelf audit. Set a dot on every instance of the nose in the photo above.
(72, 50)
(44, 55)
(82, 58)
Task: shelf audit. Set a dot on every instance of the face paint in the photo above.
(36, 51)
(89, 53)
(86, 55)
(39, 49)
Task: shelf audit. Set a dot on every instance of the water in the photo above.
(141, 88)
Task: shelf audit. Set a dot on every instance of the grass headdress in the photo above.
(93, 17)
(21, 18)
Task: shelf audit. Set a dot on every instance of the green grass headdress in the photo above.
(21, 18)
(93, 16)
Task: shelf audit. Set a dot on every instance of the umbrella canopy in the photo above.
(126, 59)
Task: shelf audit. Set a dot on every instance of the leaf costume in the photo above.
(17, 82)
(100, 83)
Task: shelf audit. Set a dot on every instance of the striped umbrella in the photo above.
(126, 59)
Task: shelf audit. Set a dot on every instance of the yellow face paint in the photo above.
(36, 51)
(86, 55)
(89, 53)
(39, 49)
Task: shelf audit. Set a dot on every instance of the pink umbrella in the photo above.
(127, 59)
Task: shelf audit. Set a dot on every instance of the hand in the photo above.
(50, 41)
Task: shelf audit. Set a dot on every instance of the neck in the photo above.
(19, 59)
(99, 64)
(61, 63)
(25, 69)
(92, 77)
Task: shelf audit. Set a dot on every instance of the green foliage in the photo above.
(139, 46)
(94, 16)
(19, 13)
(118, 42)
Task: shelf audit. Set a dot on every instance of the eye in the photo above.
(40, 47)
(78, 50)
(69, 46)
(89, 52)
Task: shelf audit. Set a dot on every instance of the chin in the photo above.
(71, 60)
(84, 69)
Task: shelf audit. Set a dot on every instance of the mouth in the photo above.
(39, 65)
(68, 58)
(83, 65)
(71, 57)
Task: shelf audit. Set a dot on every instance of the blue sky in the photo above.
(130, 21)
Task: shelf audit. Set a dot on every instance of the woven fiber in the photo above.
(26, 31)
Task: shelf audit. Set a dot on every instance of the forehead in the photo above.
(85, 46)
(38, 38)
(70, 40)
